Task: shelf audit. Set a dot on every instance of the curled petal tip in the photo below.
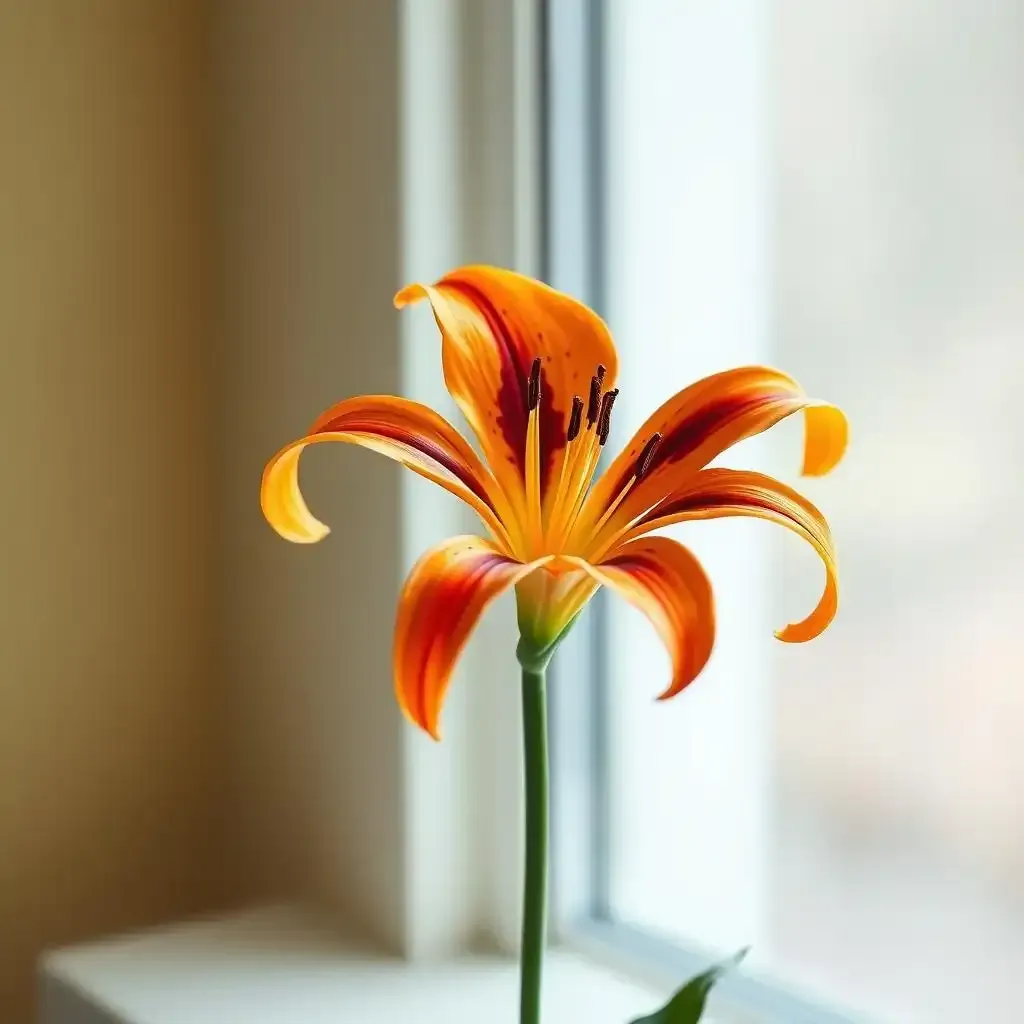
(312, 535)
(431, 728)
(797, 634)
(408, 295)
(675, 688)
(818, 621)
(281, 500)
(827, 435)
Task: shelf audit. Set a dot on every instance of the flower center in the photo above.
(558, 520)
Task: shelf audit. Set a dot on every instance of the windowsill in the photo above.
(280, 965)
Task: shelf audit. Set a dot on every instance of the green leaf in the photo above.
(687, 1005)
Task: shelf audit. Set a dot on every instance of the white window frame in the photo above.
(574, 35)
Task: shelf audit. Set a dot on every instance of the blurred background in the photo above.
(198, 212)
(112, 738)
(900, 245)
(202, 222)
(859, 170)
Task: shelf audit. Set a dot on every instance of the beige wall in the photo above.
(307, 138)
(200, 235)
(110, 799)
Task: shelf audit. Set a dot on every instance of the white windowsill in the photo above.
(281, 965)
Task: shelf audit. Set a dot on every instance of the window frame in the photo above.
(573, 258)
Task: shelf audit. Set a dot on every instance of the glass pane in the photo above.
(837, 189)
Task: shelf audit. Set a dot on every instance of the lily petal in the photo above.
(715, 493)
(494, 323)
(703, 420)
(667, 583)
(442, 600)
(405, 431)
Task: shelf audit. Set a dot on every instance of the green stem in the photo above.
(535, 757)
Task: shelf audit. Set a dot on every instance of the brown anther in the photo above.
(533, 391)
(643, 463)
(601, 371)
(575, 418)
(604, 421)
(594, 405)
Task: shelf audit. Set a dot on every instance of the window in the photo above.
(837, 189)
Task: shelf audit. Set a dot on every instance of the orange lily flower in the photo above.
(534, 372)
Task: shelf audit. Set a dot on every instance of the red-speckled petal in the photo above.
(494, 323)
(715, 493)
(441, 603)
(704, 420)
(667, 583)
(405, 431)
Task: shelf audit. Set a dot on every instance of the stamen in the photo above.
(567, 470)
(604, 424)
(587, 459)
(534, 513)
(643, 463)
(581, 459)
(533, 391)
(575, 418)
(581, 485)
(594, 405)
